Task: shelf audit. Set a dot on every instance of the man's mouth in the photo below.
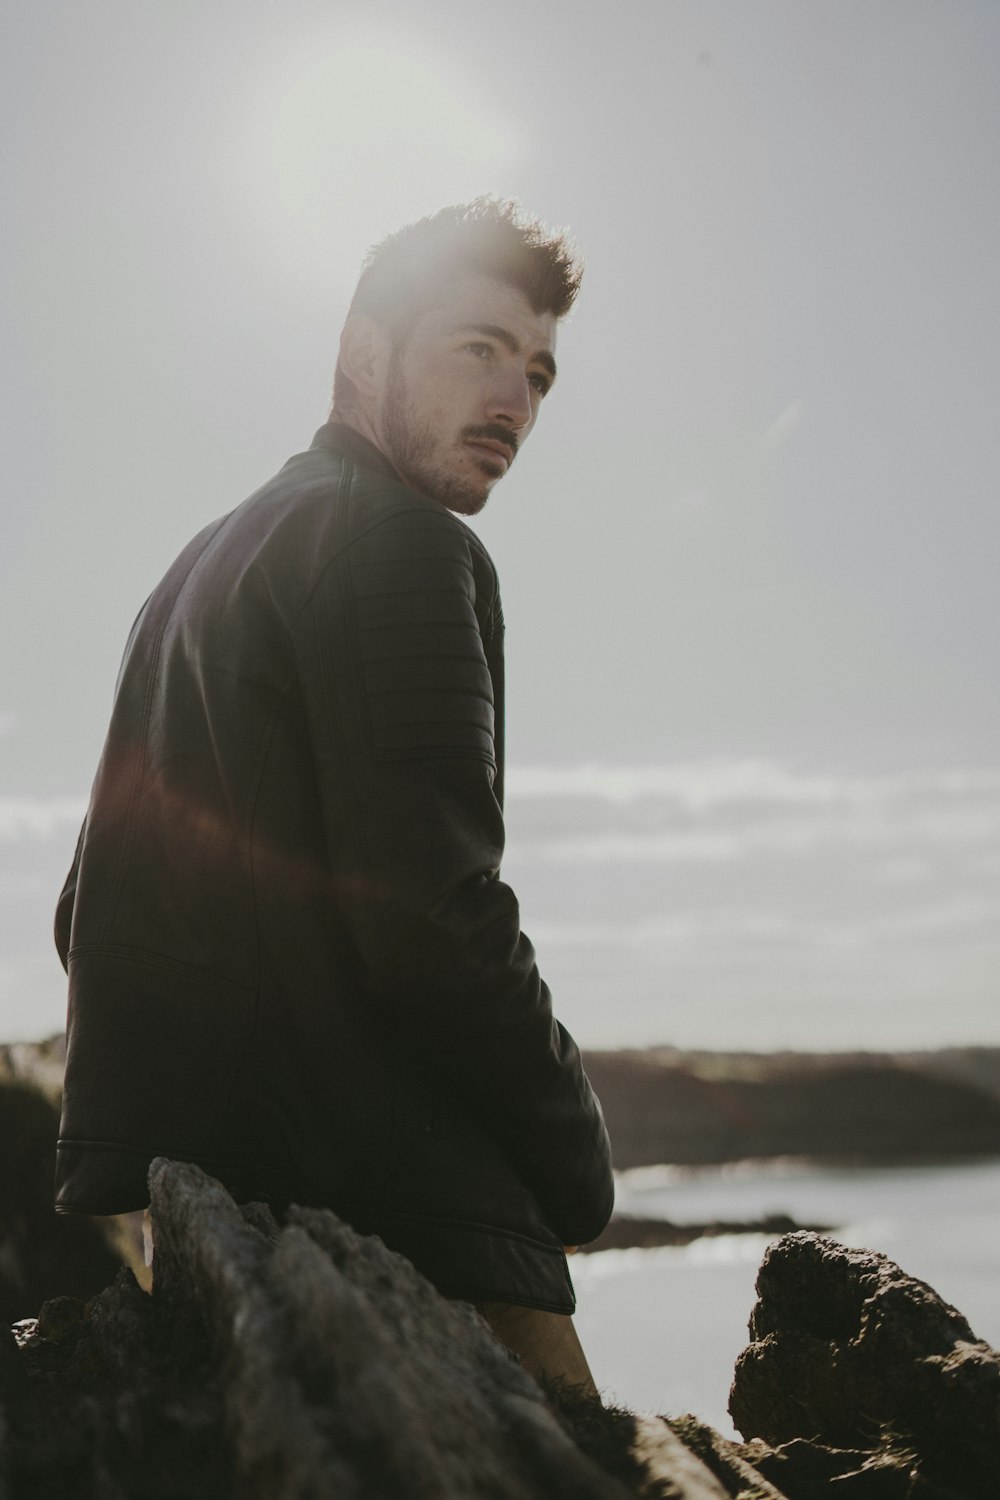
(491, 448)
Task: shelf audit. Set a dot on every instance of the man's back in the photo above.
(291, 958)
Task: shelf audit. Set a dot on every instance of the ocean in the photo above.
(662, 1328)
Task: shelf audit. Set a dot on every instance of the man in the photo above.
(291, 957)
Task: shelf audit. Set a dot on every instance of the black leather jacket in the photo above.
(291, 957)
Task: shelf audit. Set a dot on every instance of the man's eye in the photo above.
(542, 384)
(481, 351)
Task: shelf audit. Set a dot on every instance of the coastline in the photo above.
(680, 1257)
(700, 1108)
(691, 1109)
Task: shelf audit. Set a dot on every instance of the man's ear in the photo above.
(364, 356)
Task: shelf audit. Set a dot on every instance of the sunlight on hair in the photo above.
(358, 138)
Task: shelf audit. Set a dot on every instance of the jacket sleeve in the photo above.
(65, 905)
(400, 706)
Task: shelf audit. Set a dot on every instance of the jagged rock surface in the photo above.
(345, 1368)
(301, 1362)
(849, 1350)
(306, 1361)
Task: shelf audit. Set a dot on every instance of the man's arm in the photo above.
(400, 709)
(65, 904)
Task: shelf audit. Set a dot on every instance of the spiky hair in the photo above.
(408, 270)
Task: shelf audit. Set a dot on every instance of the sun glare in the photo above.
(358, 138)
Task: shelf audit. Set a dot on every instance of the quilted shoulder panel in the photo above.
(427, 686)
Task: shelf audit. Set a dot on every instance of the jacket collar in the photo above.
(337, 437)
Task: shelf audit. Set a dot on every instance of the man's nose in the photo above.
(510, 401)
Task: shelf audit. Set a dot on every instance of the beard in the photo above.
(413, 448)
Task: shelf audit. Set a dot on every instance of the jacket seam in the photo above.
(457, 693)
(334, 710)
(253, 792)
(117, 878)
(465, 752)
(250, 814)
(153, 960)
(121, 1148)
(342, 547)
(346, 599)
(477, 1226)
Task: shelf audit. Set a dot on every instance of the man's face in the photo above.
(463, 391)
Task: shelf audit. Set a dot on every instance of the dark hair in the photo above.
(411, 269)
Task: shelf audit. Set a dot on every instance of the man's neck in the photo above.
(359, 424)
(355, 437)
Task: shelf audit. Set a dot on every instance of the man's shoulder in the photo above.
(336, 496)
(327, 503)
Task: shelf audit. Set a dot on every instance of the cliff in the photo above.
(697, 1108)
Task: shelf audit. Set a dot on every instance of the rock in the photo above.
(346, 1370)
(851, 1353)
(303, 1361)
(59, 1319)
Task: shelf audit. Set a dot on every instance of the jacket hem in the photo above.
(463, 1258)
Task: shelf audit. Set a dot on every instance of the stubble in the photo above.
(413, 448)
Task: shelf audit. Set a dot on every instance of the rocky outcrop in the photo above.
(850, 1351)
(295, 1362)
(307, 1361)
(696, 1108)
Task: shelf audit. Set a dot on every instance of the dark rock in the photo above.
(801, 1470)
(851, 1352)
(346, 1370)
(731, 1463)
(812, 1471)
(304, 1361)
(59, 1319)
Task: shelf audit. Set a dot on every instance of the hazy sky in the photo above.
(749, 556)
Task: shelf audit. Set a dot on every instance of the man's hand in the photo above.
(570, 1249)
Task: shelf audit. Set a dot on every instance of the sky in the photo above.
(748, 557)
